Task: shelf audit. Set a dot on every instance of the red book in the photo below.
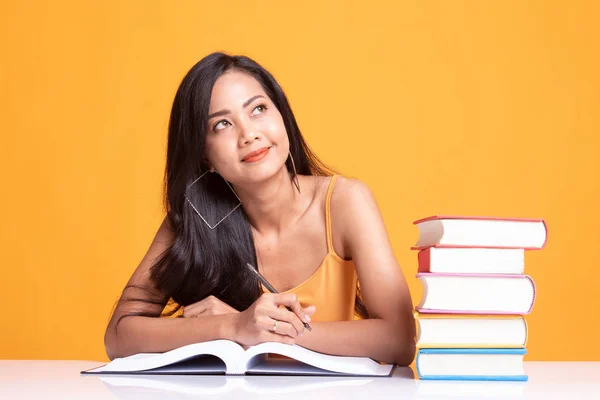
(466, 260)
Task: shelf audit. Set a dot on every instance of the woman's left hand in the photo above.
(208, 306)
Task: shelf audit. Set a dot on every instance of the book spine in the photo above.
(526, 332)
(424, 259)
(534, 293)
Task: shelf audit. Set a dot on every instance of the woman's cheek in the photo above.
(275, 130)
(220, 154)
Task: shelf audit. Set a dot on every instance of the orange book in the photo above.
(470, 331)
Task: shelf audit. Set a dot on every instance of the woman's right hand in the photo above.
(267, 321)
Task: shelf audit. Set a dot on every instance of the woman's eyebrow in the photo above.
(251, 99)
(246, 104)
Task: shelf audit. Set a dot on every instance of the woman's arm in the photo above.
(136, 326)
(389, 335)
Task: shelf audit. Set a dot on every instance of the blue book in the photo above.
(471, 364)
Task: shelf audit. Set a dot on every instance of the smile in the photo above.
(257, 156)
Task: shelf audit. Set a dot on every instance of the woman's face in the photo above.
(246, 139)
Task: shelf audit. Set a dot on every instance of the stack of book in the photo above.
(471, 318)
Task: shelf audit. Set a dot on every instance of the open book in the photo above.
(229, 358)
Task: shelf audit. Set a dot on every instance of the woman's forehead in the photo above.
(233, 89)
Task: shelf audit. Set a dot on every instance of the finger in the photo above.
(194, 310)
(291, 300)
(195, 313)
(273, 337)
(310, 310)
(228, 308)
(279, 334)
(286, 329)
(289, 318)
(283, 328)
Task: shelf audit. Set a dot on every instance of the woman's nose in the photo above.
(248, 133)
(248, 137)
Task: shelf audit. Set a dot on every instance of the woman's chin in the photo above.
(265, 173)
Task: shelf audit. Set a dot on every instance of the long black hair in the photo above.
(202, 261)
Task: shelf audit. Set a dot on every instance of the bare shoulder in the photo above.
(318, 187)
(354, 211)
(165, 234)
(343, 186)
(162, 240)
(349, 193)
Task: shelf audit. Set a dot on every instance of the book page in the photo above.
(230, 354)
(288, 366)
(325, 364)
(198, 365)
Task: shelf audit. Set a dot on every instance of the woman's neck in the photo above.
(272, 205)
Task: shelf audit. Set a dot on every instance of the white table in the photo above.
(21, 379)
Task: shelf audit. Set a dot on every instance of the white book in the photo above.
(229, 358)
(476, 294)
(493, 232)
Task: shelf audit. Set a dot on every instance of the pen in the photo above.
(271, 289)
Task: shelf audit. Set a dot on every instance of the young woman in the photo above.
(242, 186)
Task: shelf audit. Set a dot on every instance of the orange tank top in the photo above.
(332, 288)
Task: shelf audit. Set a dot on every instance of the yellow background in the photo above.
(479, 108)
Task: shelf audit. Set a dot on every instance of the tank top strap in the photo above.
(328, 214)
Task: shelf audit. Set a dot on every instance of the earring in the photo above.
(295, 177)
(198, 212)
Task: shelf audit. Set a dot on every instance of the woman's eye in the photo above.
(261, 108)
(220, 125)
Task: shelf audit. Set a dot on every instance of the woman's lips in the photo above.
(257, 155)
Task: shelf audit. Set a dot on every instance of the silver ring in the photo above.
(275, 326)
